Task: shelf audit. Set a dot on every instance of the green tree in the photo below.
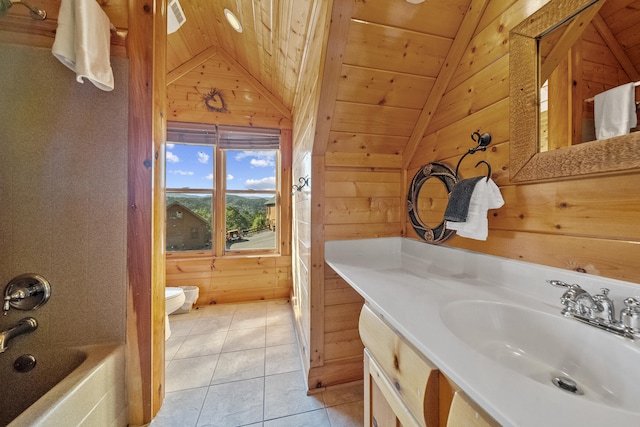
(260, 221)
(236, 220)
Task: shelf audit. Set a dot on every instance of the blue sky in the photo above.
(191, 166)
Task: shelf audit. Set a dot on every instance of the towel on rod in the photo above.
(83, 42)
(458, 205)
(615, 111)
(486, 195)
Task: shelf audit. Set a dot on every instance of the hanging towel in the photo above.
(486, 195)
(458, 205)
(615, 111)
(83, 42)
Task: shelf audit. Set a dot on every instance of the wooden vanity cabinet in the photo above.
(403, 388)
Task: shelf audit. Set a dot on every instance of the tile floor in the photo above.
(238, 365)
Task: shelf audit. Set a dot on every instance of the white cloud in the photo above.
(229, 177)
(180, 172)
(258, 158)
(170, 145)
(203, 157)
(172, 158)
(209, 177)
(268, 183)
(262, 163)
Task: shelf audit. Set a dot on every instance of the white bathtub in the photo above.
(74, 387)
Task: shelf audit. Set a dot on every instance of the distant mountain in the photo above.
(252, 205)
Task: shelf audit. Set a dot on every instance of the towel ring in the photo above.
(447, 176)
(482, 140)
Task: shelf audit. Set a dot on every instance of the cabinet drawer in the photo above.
(414, 379)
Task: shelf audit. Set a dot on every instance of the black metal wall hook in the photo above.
(483, 141)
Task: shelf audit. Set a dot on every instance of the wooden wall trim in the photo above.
(458, 47)
(336, 44)
(316, 287)
(145, 264)
(183, 69)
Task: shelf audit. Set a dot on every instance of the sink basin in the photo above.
(542, 347)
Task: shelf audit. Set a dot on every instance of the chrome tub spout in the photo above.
(24, 326)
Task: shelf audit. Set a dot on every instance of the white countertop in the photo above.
(407, 282)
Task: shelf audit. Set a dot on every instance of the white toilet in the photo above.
(174, 299)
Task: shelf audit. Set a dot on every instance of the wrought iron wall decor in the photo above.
(304, 182)
(449, 178)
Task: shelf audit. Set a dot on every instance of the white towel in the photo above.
(83, 42)
(486, 195)
(615, 111)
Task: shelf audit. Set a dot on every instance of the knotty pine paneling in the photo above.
(232, 279)
(404, 15)
(585, 224)
(394, 49)
(245, 105)
(381, 120)
(385, 88)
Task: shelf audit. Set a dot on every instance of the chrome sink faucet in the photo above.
(598, 310)
(24, 326)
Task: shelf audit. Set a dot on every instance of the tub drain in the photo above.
(24, 363)
(566, 384)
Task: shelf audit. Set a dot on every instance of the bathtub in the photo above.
(68, 387)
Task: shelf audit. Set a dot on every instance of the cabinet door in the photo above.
(383, 405)
(412, 380)
(465, 413)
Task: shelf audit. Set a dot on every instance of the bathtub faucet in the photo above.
(24, 326)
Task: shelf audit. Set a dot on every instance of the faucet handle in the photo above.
(558, 283)
(630, 315)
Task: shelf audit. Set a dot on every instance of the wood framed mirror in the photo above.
(527, 162)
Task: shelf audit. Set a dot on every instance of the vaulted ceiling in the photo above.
(392, 74)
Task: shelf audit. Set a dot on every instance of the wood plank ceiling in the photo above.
(393, 56)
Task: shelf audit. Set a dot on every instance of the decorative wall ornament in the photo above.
(447, 176)
(214, 101)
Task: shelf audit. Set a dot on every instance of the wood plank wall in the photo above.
(237, 278)
(586, 224)
(305, 112)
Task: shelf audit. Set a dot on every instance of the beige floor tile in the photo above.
(347, 414)
(210, 324)
(181, 408)
(244, 339)
(347, 393)
(239, 365)
(172, 345)
(201, 345)
(182, 374)
(260, 307)
(286, 394)
(280, 317)
(233, 404)
(248, 319)
(281, 359)
(280, 334)
(316, 418)
(181, 328)
(217, 310)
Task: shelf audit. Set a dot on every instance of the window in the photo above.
(225, 179)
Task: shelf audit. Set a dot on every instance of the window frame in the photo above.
(219, 191)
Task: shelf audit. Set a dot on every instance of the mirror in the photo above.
(539, 47)
(427, 201)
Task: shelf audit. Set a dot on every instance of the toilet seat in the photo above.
(174, 298)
